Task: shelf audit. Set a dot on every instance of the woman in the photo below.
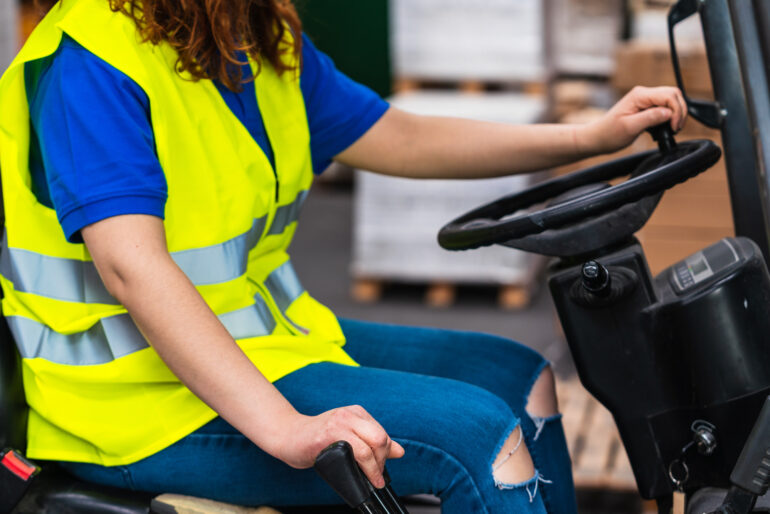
(154, 158)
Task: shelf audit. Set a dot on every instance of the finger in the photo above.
(366, 461)
(683, 103)
(647, 98)
(375, 436)
(396, 450)
(648, 118)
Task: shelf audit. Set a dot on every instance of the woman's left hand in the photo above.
(641, 108)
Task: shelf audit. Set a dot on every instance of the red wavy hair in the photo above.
(207, 33)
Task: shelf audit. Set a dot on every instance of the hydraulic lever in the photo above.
(751, 475)
(339, 469)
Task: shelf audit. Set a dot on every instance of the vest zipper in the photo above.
(279, 315)
(277, 185)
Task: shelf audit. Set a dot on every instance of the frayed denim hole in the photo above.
(538, 371)
(541, 421)
(530, 484)
(513, 425)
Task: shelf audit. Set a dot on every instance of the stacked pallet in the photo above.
(461, 59)
(396, 220)
(584, 35)
(599, 460)
(8, 32)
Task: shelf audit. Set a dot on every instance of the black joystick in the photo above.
(596, 279)
(337, 466)
(663, 134)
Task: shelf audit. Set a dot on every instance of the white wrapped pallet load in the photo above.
(585, 35)
(8, 32)
(396, 220)
(492, 40)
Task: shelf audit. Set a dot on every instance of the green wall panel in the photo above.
(355, 34)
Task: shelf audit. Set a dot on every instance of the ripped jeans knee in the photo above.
(513, 467)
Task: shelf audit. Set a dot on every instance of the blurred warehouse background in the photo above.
(366, 244)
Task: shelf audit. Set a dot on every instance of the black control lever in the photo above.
(337, 466)
(663, 134)
(751, 474)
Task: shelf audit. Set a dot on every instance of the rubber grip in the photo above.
(752, 471)
(337, 466)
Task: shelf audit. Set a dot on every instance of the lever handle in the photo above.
(339, 469)
(337, 466)
(752, 471)
(663, 134)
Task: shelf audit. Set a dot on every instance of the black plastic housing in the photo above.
(663, 356)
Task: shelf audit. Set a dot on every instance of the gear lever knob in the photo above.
(663, 134)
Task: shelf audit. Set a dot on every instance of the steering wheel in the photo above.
(582, 212)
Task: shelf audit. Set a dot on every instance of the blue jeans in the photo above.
(450, 398)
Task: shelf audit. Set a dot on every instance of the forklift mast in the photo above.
(737, 38)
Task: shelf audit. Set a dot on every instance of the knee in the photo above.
(513, 464)
(542, 398)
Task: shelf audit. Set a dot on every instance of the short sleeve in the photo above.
(95, 141)
(339, 110)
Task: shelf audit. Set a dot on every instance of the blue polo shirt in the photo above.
(92, 152)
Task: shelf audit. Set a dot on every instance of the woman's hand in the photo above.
(641, 108)
(304, 437)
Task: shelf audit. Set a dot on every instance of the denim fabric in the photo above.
(450, 398)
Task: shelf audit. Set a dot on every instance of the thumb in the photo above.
(647, 118)
(396, 450)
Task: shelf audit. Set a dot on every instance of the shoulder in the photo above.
(74, 73)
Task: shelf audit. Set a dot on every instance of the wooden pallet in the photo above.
(599, 460)
(441, 295)
(405, 84)
(179, 504)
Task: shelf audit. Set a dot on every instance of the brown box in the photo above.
(647, 63)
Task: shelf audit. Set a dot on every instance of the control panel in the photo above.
(699, 267)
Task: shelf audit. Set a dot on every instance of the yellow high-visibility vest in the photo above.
(97, 391)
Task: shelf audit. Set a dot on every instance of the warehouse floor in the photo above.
(321, 255)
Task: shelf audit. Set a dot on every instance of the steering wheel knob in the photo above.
(663, 134)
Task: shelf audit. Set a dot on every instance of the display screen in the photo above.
(698, 267)
(701, 266)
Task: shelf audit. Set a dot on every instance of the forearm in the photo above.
(415, 146)
(189, 338)
(438, 147)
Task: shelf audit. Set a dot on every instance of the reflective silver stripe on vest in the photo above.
(64, 279)
(222, 262)
(284, 286)
(287, 214)
(73, 280)
(117, 336)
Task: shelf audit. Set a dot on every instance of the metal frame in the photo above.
(735, 32)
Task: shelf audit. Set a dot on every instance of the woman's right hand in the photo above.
(306, 436)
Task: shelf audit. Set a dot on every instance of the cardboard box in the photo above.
(648, 63)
